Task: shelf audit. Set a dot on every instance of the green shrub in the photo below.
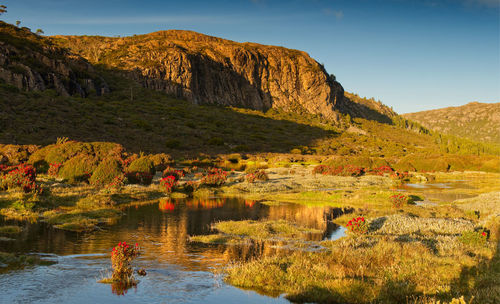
(161, 161)
(474, 238)
(106, 172)
(141, 171)
(78, 168)
(65, 150)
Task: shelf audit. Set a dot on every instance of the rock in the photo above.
(141, 272)
(210, 70)
(32, 63)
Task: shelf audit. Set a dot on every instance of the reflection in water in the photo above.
(177, 269)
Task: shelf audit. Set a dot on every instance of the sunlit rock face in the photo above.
(210, 70)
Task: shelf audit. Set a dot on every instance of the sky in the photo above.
(412, 55)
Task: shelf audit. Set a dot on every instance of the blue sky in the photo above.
(412, 55)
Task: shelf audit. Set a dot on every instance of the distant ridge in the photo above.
(475, 120)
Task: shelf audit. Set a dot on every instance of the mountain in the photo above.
(209, 70)
(33, 63)
(475, 120)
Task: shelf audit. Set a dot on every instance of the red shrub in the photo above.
(358, 225)
(398, 200)
(54, 169)
(121, 257)
(214, 177)
(257, 175)
(168, 183)
(21, 176)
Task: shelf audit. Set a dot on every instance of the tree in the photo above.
(3, 9)
(39, 31)
(17, 23)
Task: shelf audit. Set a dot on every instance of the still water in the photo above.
(177, 271)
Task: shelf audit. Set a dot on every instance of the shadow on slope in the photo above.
(150, 122)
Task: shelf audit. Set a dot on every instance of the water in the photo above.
(177, 271)
(445, 192)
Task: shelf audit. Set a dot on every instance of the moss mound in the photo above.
(62, 152)
(141, 171)
(78, 168)
(105, 173)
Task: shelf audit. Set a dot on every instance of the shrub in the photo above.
(403, 176)
(191, 186)
(78, 169)
(117, 183)
(474, 238)
(398, 200)
(161, 161)
(65, 150)
(257, 175)
(357, 225)
(214, 177)
(21, 176)
(54, 169)
(178, 174)
(347, 170)
(106, 172)
(168, 183)
(381, 170)
(142, 164)
(141, 171)
(121, 258)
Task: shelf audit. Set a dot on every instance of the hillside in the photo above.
(477, 121)
(128, 112)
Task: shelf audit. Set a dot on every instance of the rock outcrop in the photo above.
(210, 70)
(32, 63)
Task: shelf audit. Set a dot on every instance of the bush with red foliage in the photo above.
(121, 257)
(398, 200)
(168, 183)
(178, 174)
(21, 176)
(214, 177)
(381, 170)
(357, 225)
(347, 170)
(260, 175)
(54, 169)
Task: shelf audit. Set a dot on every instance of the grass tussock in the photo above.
(236, 232)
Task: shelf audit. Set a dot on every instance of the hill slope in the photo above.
(477, 121)
(148, 120)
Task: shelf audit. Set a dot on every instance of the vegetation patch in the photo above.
(235, 231)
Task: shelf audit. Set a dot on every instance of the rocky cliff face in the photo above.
(32, 63)
(209, 70)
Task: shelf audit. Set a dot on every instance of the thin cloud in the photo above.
(188, 19)
(338, 14)
(486, 3)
